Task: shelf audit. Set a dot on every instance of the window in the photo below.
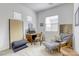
(29, 19)
(51, 23)
(17, 16)
(28, 22)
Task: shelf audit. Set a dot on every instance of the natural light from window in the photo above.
(51, 23)
(17, 16)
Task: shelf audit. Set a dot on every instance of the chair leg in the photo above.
(59, 49)
(50, 51)
(40, 43)
(34, 42)
(31, 43)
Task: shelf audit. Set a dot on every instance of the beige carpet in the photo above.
(32, 50)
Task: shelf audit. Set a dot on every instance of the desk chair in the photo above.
(38, 38)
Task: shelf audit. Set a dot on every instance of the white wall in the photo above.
(76, 30)
(65, 13)
(6, 12)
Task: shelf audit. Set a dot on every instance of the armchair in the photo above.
(51, 45)
(63, 41)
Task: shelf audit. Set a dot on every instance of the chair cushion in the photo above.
(17, 44)
(20, 48)
(51, 45)
(62, 35)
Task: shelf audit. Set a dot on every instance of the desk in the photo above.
(31, 37)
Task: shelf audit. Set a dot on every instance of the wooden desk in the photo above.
(31, 37)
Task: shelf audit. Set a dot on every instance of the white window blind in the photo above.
(51, 23)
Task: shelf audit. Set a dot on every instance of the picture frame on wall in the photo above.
(41, 24)
(77, 17)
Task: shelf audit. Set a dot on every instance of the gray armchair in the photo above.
(50, 45)
(64, 38)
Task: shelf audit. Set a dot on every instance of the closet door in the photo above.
(16, 30)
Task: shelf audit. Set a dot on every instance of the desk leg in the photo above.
(31, 42)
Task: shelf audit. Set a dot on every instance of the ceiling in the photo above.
(40, 6)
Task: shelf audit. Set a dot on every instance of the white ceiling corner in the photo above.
(40, 6)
